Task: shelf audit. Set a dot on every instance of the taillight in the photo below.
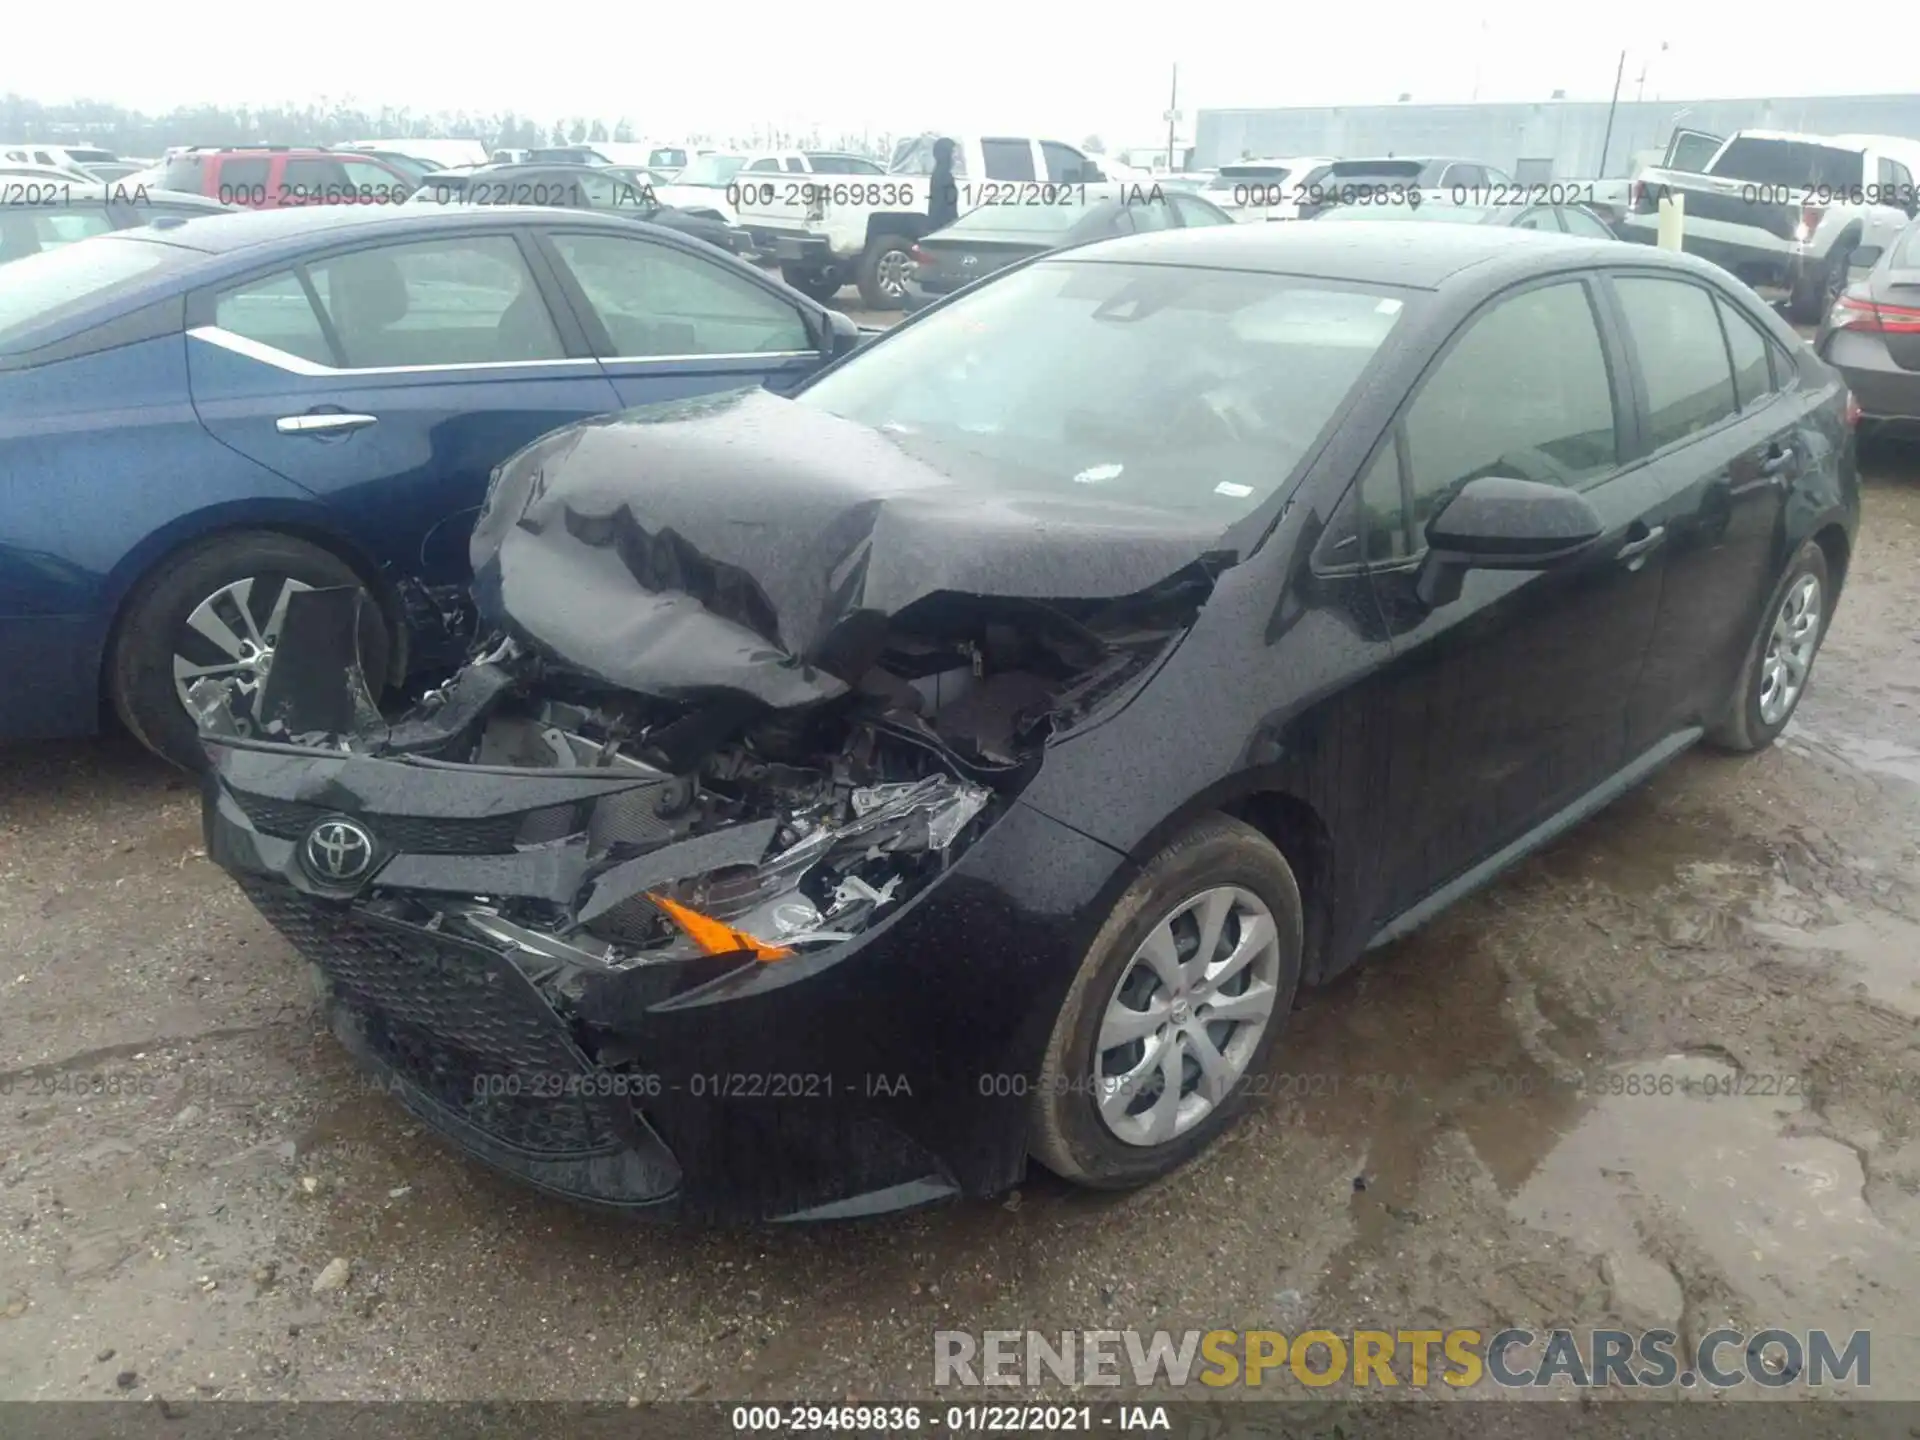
(921, 258)
(1636, 192)
(1855, 309)
(1809, 221)
(1853, 412)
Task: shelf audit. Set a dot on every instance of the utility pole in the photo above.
(1173, 114)
(1607, 143)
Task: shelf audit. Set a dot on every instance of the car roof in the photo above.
(1390, 252)
(300, 227)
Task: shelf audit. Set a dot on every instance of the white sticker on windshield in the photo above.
(1094, 474)
(1387, 307)
(1238, 492)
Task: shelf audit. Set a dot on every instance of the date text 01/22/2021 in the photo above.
(988, 1419)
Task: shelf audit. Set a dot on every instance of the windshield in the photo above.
(1432, 210)
(1788, 162)
(714, 170)
(1179, 389)
(37, 290)
(667, 159)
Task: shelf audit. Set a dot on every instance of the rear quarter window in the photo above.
(40, 292)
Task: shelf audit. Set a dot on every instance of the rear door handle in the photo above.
(1778, 461)
(332, 423)
(1635, 550)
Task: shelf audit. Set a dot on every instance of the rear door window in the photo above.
(277, 313)
(241, 180)
(1683, 358)
(468, 300)
(313, 182)
(1064, 163)
(1008, 159)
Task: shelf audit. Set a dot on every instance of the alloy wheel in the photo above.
(1790, 648)
(1186, 1015)
(231, 636)
(892, 271)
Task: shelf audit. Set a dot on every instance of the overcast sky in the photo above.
(997, 64)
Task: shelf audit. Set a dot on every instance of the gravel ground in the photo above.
(197, 1197)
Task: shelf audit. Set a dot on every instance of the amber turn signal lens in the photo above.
(715, 936)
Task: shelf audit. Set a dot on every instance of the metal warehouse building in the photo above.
(1535, 141)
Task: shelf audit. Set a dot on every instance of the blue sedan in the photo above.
(199, 418)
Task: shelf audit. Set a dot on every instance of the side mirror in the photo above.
(843, 335)
(1498, 523)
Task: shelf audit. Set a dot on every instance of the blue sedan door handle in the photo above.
(323, 425)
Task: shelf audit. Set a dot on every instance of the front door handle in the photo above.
(1778, 462)
(1635, 551)
(324, 424)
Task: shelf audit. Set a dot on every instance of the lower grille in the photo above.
(460, 1023)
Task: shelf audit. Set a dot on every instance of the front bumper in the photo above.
(808, 251)
(884, 1073)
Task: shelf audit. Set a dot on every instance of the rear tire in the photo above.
(1757, 712)
(1814, 295)
(1070, 1132)
(154, 631)
(884, 268)
(816, 285)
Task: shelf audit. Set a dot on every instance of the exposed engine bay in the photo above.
(665, 828)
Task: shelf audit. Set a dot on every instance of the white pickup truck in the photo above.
(826, 231)
(1782, 211)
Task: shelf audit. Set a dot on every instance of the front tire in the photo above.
(884, 269)
(1773, 679)
(1176, 1004)
(214, 610)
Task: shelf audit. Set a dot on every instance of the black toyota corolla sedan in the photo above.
(964, 762)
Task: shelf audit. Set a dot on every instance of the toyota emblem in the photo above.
(338, 852)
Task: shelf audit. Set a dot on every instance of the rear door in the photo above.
(1719, 436)
(390, 379)
(668, 322)
(1510, 701)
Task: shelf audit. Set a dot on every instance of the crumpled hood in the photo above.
(744, 543)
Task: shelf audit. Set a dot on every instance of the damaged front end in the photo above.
(490, 882)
